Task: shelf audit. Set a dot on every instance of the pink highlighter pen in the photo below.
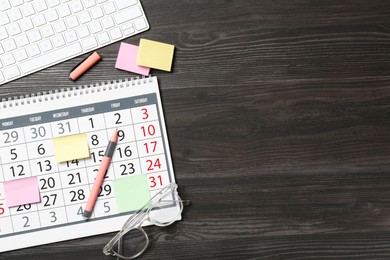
(100, 175)
(84, 65)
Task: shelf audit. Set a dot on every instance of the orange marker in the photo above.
(100, 175)
(84, 65)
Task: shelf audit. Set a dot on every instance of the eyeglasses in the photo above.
(131, 241)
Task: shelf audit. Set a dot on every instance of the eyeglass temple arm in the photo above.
(184, 202)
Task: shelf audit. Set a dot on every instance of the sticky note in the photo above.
(155, 55)
(131, 193)
(71, 147)
(22, 191)
(127, 59)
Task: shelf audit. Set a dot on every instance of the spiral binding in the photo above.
(74, 91)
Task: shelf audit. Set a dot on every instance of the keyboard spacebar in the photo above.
(51, 58)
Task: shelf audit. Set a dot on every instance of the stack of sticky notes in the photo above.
(149, 54)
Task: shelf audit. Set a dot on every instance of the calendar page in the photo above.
(27, 129)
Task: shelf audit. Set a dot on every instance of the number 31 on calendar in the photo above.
(158, 180)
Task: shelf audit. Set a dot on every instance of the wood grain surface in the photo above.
(278, 116)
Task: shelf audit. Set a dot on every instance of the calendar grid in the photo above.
(64, 188)
(82, 164)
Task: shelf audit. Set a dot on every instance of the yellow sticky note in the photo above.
(71, 147)
(155, 55)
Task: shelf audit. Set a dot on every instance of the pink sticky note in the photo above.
(127, 59)
(22, 191)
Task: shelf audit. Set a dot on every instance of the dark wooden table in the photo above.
(278, 115)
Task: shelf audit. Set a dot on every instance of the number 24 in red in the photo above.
(153, 165)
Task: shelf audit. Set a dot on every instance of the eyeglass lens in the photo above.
(131, 244)
(165, 217)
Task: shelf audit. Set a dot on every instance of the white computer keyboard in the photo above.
(36, 34)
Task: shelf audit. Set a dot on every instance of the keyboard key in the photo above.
(83, 32)
(11, 72)
(34, 35)
(21, 54)
(13, 29)
(39, 19)
(1, 76)
(33, 50)
(96, 12)
(16, 2)
(51, 15)
(63, 10)
(9, 45)
(89, 43)
(15, 14)
(115, 33)
(4, 19)
(109, 8)
(107, 22)
(53, 3)
(47, 31)
(3, 33)
(28, 9)
(71, 36)
(40, 5)
(76, 6)
(22, 40)
(1, 49)
(59, 26)
(8, 59)
(103, 38)
(26, 24)
(140, 24)
(127, 14)
(95, 27)
(51, 58)
(58, 41)
(46, 45)
(84, 17)
(127, 28)
(125, 3)
(72, 21)
(4, 5)
(89, 3)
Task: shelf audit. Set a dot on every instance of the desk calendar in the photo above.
(27, 128)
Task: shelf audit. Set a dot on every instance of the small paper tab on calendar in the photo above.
(22, 191)
(131, 193)
(72, 147)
